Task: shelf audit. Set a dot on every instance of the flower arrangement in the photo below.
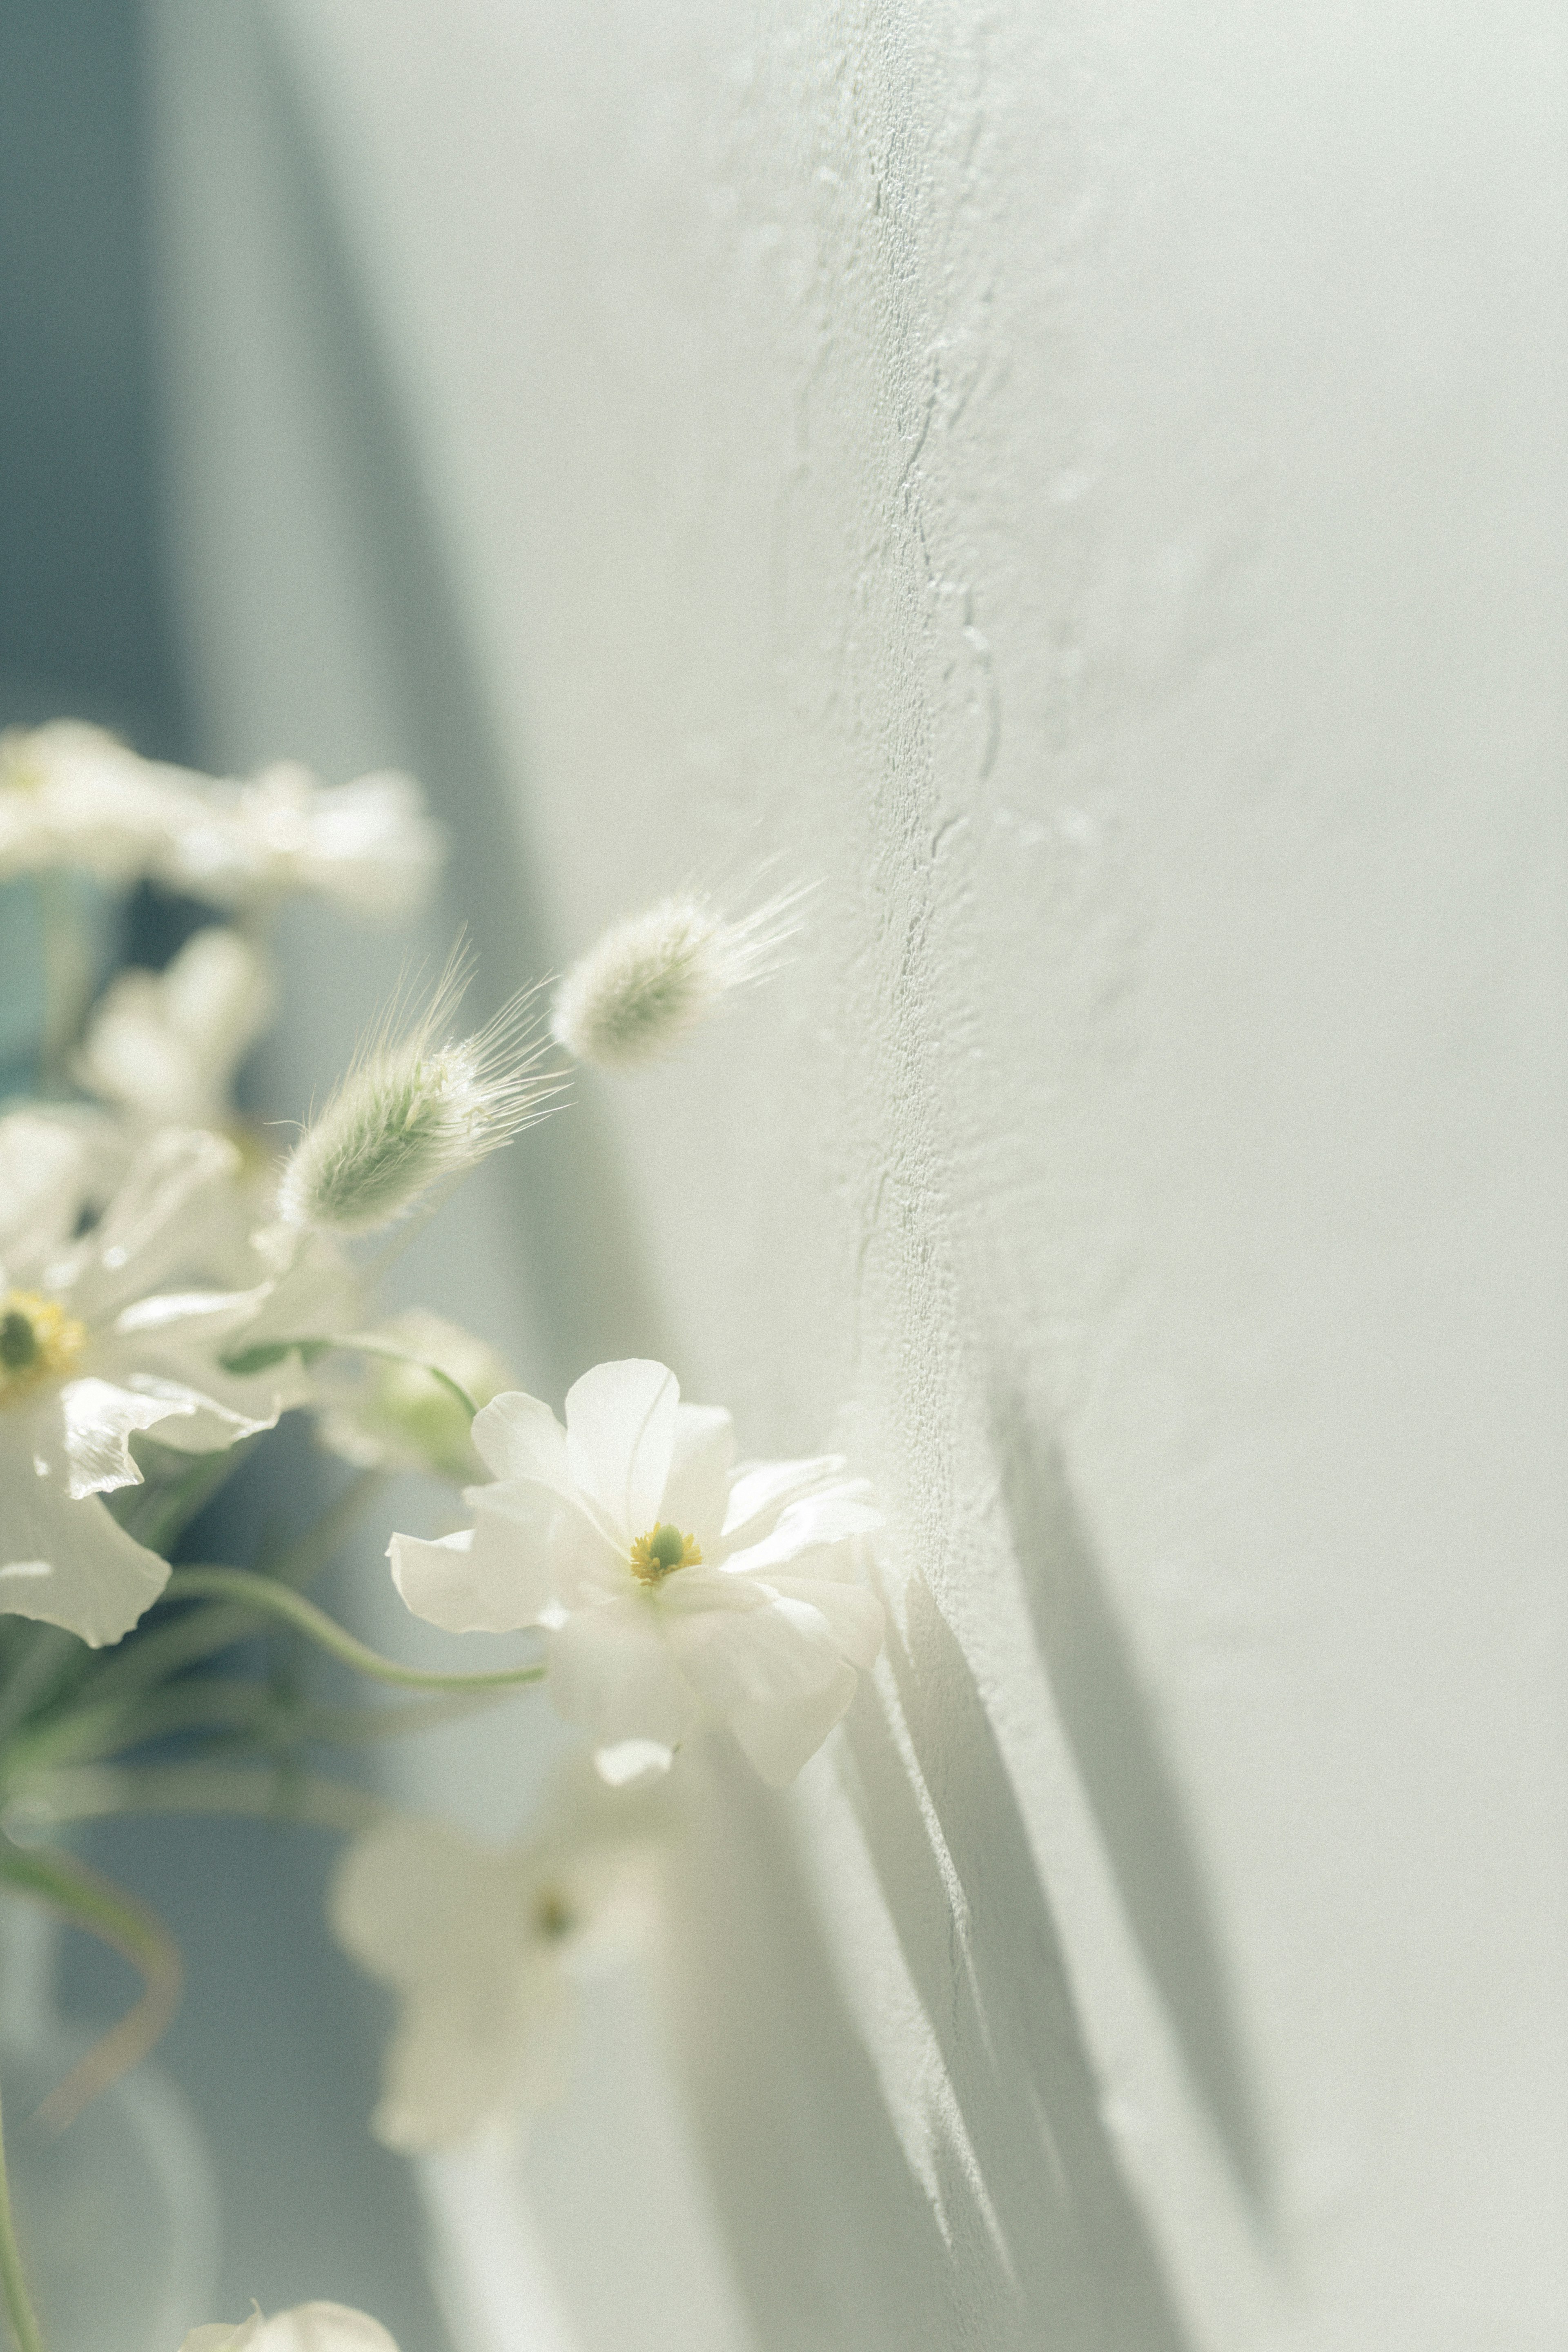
(169, 1290)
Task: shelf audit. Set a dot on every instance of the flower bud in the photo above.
(654, 976)
(413, 1111)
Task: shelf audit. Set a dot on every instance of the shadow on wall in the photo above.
(1070, 2261)
(1039, 2241)
(1130, 1787)
(836, 2240)
(589, 1284)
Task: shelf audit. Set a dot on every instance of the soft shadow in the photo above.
(592, 1292)
(993, 1981)
(1128, 1785)
(835, 2240)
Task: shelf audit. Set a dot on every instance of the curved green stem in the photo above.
(267, 1597)
(95, 1903)
(19, 2308)
(362, 1344)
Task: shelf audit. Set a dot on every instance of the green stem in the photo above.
(19, 2309)
(267, 1597)
(264, 1718)
(94, 1792)
(153, 1657)
(68, 977)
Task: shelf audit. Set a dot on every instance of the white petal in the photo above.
(319, 2327)
(98, 1418)
(629, 1762)
(773, 1674)
(620, 1432)
(697, 1490)
(174, 1201)
(806, 1526)
(69, 1563)
(612, 1672)
(547, 1550)
(441, 1582)
(759, 1491)
(466, 2054)
(517, 1436)
(413, 1900)
(46, 1166)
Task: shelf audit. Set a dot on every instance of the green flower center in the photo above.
(38, 1342)
(553, 1916)
(663, 1549)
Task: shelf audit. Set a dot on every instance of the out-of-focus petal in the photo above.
(805, 1526)
(473, 2052)
(318, 2328)
(611, 1672)
(414, 1899)
(173, 1202)
(620, 1434)
(774, 1674)
(760, 1490)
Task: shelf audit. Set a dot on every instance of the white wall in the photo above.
(1086, 486)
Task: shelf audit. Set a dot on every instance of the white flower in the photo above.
(309, 2327)
(390, 1415)
(101, 1337)
(484, 1948)
(669, 1580)
(412, 1110)
(652, 977)
(367, 844)
(73, 795)
(167, 1045)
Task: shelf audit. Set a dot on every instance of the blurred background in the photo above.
(1089, 490)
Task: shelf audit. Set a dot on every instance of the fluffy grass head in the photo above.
(652, 977)
(415, 1109)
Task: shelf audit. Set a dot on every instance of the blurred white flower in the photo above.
(367, 844)
(415, 1109)
(101, 1337)
(654, 976)
(309, 2327)
(382, 1415)
(71, 794)
(669, 1580)
(167, 1045)
(484, 1948)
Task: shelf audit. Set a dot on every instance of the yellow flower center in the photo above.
(664, 1548)
(38, 1342)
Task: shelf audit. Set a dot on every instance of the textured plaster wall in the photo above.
(1085, 486)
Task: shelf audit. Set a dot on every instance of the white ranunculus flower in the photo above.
(74, 795)
(484, 1948)
(668, 1580)
(309, 2327)
(167, 1045)
(382, 1415)
(366, 845)
(104, 1333)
